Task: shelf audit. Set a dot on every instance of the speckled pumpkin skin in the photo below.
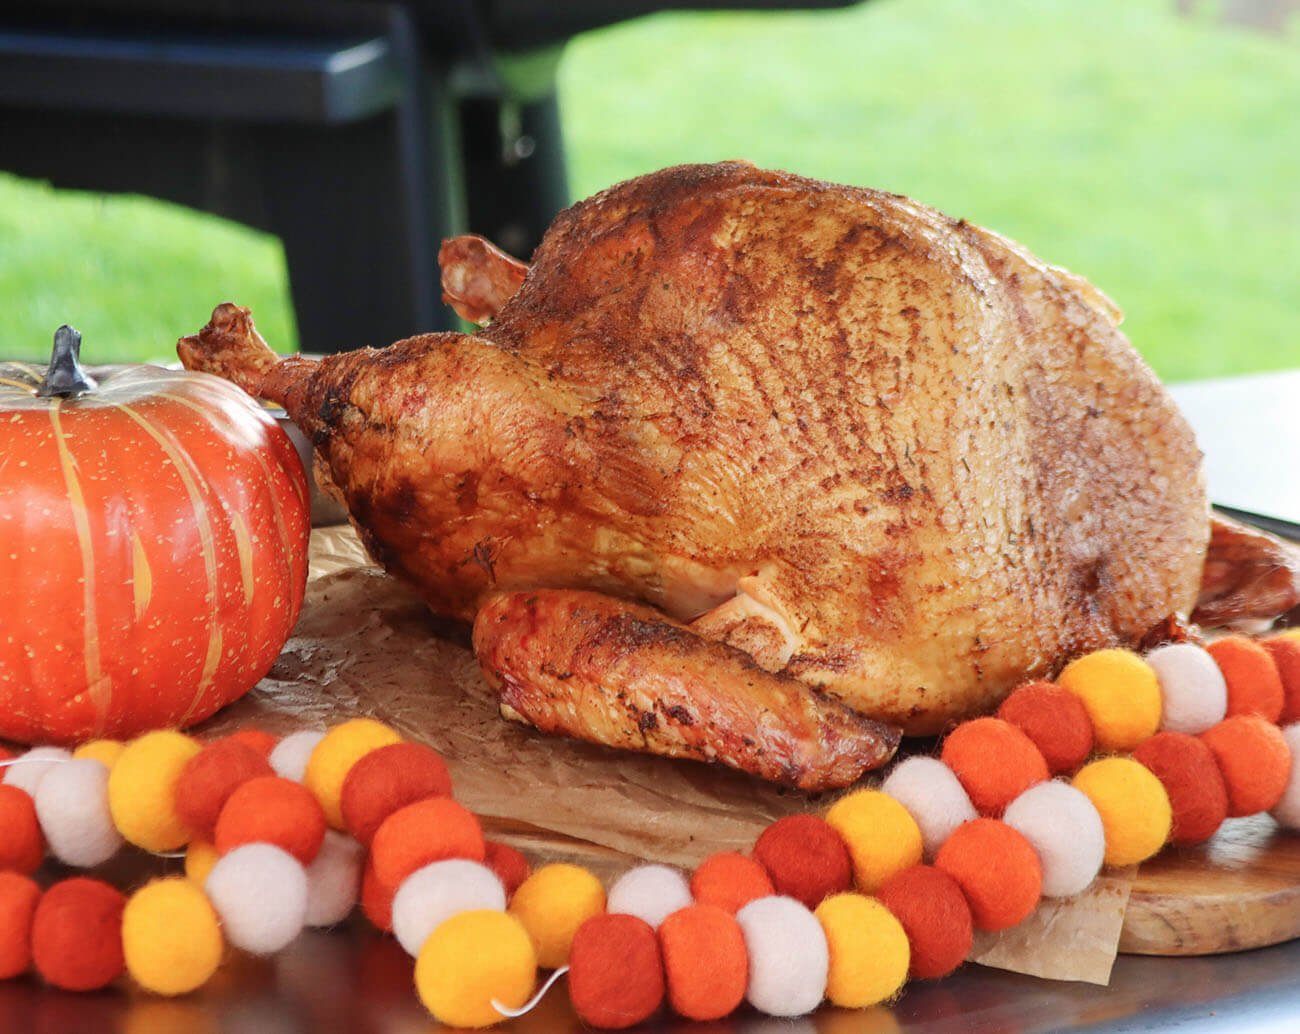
(153, 551)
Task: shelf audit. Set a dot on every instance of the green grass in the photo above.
(130, 273)
(1158, 156)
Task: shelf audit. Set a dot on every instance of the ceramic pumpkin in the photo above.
(153, 546)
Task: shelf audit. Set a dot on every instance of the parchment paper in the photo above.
(366, 645)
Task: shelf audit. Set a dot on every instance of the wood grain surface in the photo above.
(1240, 890)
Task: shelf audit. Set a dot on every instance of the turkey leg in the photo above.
(478, 277)
(607, 671)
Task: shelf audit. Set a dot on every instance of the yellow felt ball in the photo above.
(200, 857)
(552, 903)
(171, 938)
(869, 952)
(333, 757)
(1134, 808)
(1121, 694)
(142, 790)
(881, 835)
(469, 961)
(106, 752)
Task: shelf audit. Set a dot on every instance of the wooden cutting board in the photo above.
(1240, 890)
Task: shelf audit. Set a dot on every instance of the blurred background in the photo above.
(1152, 146)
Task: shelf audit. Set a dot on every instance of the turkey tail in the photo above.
(1249, 574)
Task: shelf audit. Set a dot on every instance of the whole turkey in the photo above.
(758, 469)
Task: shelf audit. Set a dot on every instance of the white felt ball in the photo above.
(433, 894)
(72, 806)
(649, 892)
(1287, 810)
(788, 956)
(334, 879)
(289, 756)
(28, 769)
(260, 893)
(933, 796)
(1065, 830)
(1193, 692)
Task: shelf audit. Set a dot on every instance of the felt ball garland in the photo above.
(281, 834)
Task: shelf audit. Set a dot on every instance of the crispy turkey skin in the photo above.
(886, 453)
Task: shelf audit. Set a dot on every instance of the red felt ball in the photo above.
(1055, 720)
(376, 899)
(1187, 770)
(511, 866)
(730, 880)
(210, 777)
(423, 832)
(616, 975)
(18, 897)
(1254, 759)
(387, 779)
(935, 916)
(994, 761)
(706, 966)
(259, 739)
(996, 868)
(22, 847)
(77, 934)
(272, 810)
(1254, 685)
(1285, 651)
(805, 858)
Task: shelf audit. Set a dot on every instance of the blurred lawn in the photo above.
(1158, 156)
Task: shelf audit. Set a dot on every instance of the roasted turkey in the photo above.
(759, 469)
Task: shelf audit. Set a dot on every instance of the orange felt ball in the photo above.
(259, 739)
(272, 810)
(1055, 720)
(22, 847)
(730, 881)
(18, 897)
(805, 858)
(706, 965)
(423, 832)
(1254, 685)
(387, 779)
(511, 866)
(996, 868)
(211, 776)
(1187, 770)
(376, 899)
(77, 934)
(1285, 651)
(935, 916)
(994, 761)
(616, 975)
(1254, 759)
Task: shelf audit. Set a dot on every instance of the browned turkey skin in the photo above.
(888, 455)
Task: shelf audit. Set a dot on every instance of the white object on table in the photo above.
(1249, 429)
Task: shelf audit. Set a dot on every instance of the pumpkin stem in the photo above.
(65, 378)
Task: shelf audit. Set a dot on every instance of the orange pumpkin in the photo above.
(153, 546)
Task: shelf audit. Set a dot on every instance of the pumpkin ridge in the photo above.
(175, 456)
(99, 687)
(282, 530)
